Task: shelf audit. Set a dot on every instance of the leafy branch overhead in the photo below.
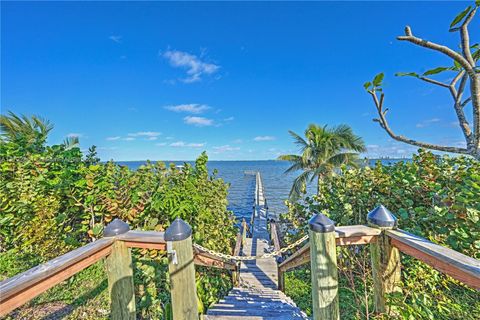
(464, 87)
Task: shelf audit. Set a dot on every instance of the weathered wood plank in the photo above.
(448, 261)
(22, 288)
(345, 236)
(182, 280)
(386, 272)
(120, 282)
(238, 244)
(275, 236)
(157, 237)
(206, 259)
(324, 270)
(23, 280)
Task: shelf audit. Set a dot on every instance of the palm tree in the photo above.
(322, 150)
(28, 132)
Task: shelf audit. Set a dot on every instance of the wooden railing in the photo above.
(386, 243)
(115, 249)
(384, 240)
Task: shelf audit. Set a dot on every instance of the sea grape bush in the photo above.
(434, 197)
(53, 199)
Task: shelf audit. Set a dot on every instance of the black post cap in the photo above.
(115, 228)
(381, 217)
(178, 230)
(321, 223)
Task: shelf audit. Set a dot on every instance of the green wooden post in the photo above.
(182, 271)
(323, 260)
(385, 259)
(120, 274)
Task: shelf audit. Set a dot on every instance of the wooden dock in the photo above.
(257, 296)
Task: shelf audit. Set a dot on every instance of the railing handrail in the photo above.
(21, 288)
(346, 235)
(453, 263)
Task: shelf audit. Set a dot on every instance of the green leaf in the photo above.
(435, 71)
(477, 3)
(460, 16)
(367, 85)
(377, 81)
(404, 74)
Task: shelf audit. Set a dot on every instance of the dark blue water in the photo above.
(276, 183)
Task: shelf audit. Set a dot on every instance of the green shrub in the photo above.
(53, 200)
(433, 197)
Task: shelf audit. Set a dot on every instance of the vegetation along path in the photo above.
(257, 296)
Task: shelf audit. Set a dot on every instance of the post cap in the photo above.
(381, 217)
(321, 223)
(178, 230)
(115, 228)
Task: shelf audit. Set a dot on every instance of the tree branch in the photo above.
(464, 103)
(384, 124)
(465, 37)
(438, 83)
(457, 98)
(437, 47)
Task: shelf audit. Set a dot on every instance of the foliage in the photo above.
(433, 197)
(322, 150)
(53, 200)
(463, 85)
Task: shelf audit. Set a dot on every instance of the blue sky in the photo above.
(165, 81)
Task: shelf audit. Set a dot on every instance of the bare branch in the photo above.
(384, 124)
(438, 83)
(464, 103)
(465, 37)
(457, 98)
(437, 47)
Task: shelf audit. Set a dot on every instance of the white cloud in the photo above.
(225, 148)
(195, 67)
(169, 138)
(116, 38)
(145, 134)
(75, 135)
(237, 141)
(198, 121)
(229, 119)
(181, 144)
(151, 138)
(426, 123)
(129, 139)
(161, 144)
(194, 108)
(113, 138)
(264, 138)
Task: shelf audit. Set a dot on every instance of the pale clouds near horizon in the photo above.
(264, 138)
(182, 144)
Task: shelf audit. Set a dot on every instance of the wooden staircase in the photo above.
(257, 296)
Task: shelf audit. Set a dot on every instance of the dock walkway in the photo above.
(257, 296)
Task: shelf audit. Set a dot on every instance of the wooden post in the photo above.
(385, 259)
(182, 271)
(323, 259)
(120, 274)
(244, 231)
(281, 278)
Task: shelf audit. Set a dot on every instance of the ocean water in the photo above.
(276, 183)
